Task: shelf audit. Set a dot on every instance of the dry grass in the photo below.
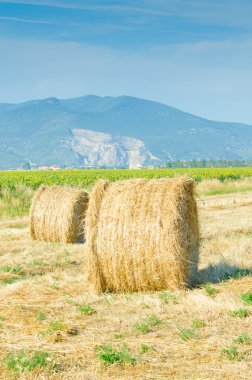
(44, 295)
(142, 234)
(214, 186)
(57, 214)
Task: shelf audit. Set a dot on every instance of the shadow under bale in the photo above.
(221, 272)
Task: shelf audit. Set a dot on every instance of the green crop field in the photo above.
(86, 178)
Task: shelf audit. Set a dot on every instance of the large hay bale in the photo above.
(142, 234)
(57, 214)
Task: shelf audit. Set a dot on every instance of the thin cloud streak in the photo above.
(16, 19)
(220, 13)
(103, 8)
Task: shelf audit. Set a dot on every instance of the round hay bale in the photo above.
(57, 214)
(142, 234)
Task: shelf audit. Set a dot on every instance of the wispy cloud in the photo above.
(198, 13)
(77, 5)
(214, 10)
(97, 7)
(29, 21)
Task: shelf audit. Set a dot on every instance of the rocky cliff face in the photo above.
(103, 149)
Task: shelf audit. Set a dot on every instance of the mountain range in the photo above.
(122, 131)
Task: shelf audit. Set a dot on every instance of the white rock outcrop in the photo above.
(103, 149)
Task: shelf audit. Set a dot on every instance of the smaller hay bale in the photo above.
(142, 235)
(57, 214)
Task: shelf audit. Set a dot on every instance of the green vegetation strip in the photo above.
(86, 178)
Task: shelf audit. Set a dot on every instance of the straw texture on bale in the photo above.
(57, 214)
(142, 235)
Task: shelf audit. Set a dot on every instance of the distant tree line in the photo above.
(174, 164)
(208, 164)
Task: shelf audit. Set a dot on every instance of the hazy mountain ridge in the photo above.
(136, 132)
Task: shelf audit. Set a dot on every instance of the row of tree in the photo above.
(208, 164)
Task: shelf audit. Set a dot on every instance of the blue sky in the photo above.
(191, 54)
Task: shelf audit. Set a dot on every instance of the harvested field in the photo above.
(46, 306)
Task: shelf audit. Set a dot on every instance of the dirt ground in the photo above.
(46, 306)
